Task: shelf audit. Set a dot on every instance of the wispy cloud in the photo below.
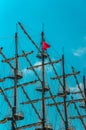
(38, 63)
(76, 89)
(25, 71)
(47, 67)
(79, 52)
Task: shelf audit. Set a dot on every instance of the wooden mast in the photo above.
(64, 91)
(15, 81)
(16, 71)
(84, 88)
(43, 86)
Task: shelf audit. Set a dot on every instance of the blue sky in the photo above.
(64, 25)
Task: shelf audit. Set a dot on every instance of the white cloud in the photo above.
(76, 89)
(27, 71)
(79, 51)
(38, 63)
(48, 68)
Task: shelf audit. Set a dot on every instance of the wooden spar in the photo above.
(77, 83)
(27, 96)
(76, 92)
(78, 113)
(64, 91)
(4, 121)
(28, 36)
(77, 117)
(22, 55)
(15, 81)
(1, 49)
(43, 85)
(7, 77)
(16, 71)
(37, 100)
(69, 102)
(6, 99)
(2, 79)
(29, 126)
(20, 85)
(6, 59)
(49, 97)
(84, 88)
(66, 75)
(53, 62)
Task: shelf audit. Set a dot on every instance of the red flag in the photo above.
(45, 45)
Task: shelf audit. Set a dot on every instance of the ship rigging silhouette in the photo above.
(50, 108)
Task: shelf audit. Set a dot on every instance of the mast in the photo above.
(64, 91)
(84, 88)
(16, 70)
(43, 86)
(15, 81)
(42, 55)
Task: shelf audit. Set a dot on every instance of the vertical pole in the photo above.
(15, 81)
(16, 70)
(64, 91)
(84, 88)
(43, 87)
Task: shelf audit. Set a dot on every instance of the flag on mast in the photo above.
(45, 45)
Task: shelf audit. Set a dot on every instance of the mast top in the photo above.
(16, 28)
(42, 32)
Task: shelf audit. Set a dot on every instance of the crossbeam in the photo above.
(22, 55)
(29, 125)
(69, 102)
(77, 117)
(48, 63)
(20, 85)
(66, 75)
